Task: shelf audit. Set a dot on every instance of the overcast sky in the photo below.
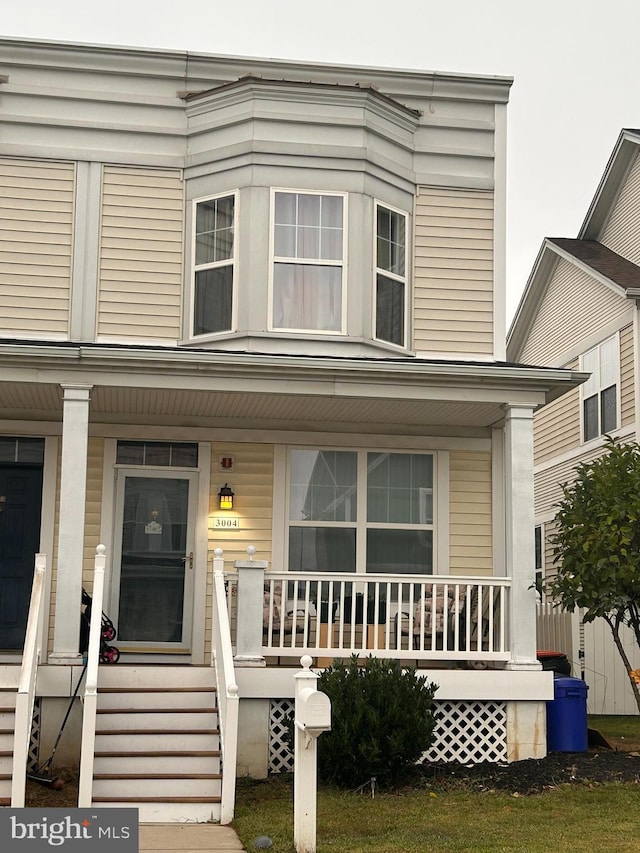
(576, 65)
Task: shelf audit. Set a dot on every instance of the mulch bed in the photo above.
(596, 766)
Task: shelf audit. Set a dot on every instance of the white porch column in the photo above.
(73, 492)
(249, 610)
(520, 562)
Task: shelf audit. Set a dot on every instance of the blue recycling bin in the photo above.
(567, 716)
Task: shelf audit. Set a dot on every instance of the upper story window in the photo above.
(391, 281)
(361, 511)
(308, 261)
(600, 391)
(214, 254)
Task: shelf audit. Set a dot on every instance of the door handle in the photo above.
(189, 560)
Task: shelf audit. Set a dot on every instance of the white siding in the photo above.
(556, 328)
(141, 250)
(453, 272)
(622, 231)
(470, 517)
(36, 237)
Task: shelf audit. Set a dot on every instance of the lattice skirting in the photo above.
(33, 759)
(468, 732)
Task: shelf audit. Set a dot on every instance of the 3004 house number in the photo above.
(226, 523)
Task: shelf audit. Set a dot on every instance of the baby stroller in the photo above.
(108, 654)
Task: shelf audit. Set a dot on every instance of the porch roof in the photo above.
(188, 386)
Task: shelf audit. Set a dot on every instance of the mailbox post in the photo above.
(312, 717)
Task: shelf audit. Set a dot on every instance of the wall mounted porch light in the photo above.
(225, 496)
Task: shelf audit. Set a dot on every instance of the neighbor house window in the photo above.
(391, 281)
(600, 391)
(308, 261)
(360, 511)
(214, 265)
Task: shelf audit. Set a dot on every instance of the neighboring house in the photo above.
(284, 280)
(580, 311)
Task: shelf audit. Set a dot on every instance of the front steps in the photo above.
(7, 728)
(157, 744)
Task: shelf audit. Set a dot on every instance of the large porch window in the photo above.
(361, 511)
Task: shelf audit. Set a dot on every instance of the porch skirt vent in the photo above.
(468, 732)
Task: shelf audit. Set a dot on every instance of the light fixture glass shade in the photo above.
(226, 495)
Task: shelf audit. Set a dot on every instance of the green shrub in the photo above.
(382, 722)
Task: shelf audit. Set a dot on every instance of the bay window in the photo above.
(361, 511)
(391, 281)
(214, 256)
(308, 259)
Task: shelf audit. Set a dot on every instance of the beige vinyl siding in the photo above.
(622, 231)
(141, 255)
(36, 239)
(470, 518)
(92, 520)
(548, 481)
(453, 271)
(556, 427)
(627, 377)
(252, 482)
(592, 305)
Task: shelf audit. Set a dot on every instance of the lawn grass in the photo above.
(422, 818)
(417, 820)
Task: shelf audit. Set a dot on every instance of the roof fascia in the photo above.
(535, 288)
(616, 170)
(585, 267)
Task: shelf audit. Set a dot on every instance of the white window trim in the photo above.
(404, 279)
(198, 267)
(273, 259)
(599, 437)
(439, 526)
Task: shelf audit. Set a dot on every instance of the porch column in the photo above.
(249, 609)
(520, 562)
(73, 492)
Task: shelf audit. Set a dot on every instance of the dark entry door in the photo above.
(20, 508)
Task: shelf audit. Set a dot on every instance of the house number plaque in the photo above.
(226, 523)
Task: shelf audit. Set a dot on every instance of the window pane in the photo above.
(308, 242)
(390, 310)
(608, 362)
(184, 455)
(309, 210)
(590, 365)
(400, 551)
(213, 300)
(332, 211)
(157, 454)
(285, 241)
(322, 549)
(323, 485)
(590, 417)
(214, 230)
(331, 244)
(608, 410)
(400, 488)
(306, 296)
(130, 453)
(391, 241)
(31, 450)
(285, 211)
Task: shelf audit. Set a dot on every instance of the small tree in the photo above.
(597, 544)
(382, 722)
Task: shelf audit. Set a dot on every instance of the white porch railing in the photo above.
(85, 784)
(227, 688)
(393, 616)
(27, 686)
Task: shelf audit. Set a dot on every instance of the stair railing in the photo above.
(227, 689)
(85, 784)
(26, 694)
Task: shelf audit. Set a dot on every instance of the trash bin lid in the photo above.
(547, 653)
(563, 687)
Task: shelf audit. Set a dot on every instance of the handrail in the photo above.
(85, 784)
(227, 689)
(25, 696)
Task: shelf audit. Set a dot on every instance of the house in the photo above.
(580, 311)
(278, 285)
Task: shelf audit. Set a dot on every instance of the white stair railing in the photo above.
(227, 689)
(85, 785)
(27, 686)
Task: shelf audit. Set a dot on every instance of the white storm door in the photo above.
(152, 591)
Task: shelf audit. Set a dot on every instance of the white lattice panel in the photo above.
(468, 732)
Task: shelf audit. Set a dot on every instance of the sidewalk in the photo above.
(188, 838)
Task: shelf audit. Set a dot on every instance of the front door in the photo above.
(20, 509)
(152, 592)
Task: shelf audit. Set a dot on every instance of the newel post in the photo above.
(249, 609)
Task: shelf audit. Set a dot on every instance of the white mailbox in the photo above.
(313, 712)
